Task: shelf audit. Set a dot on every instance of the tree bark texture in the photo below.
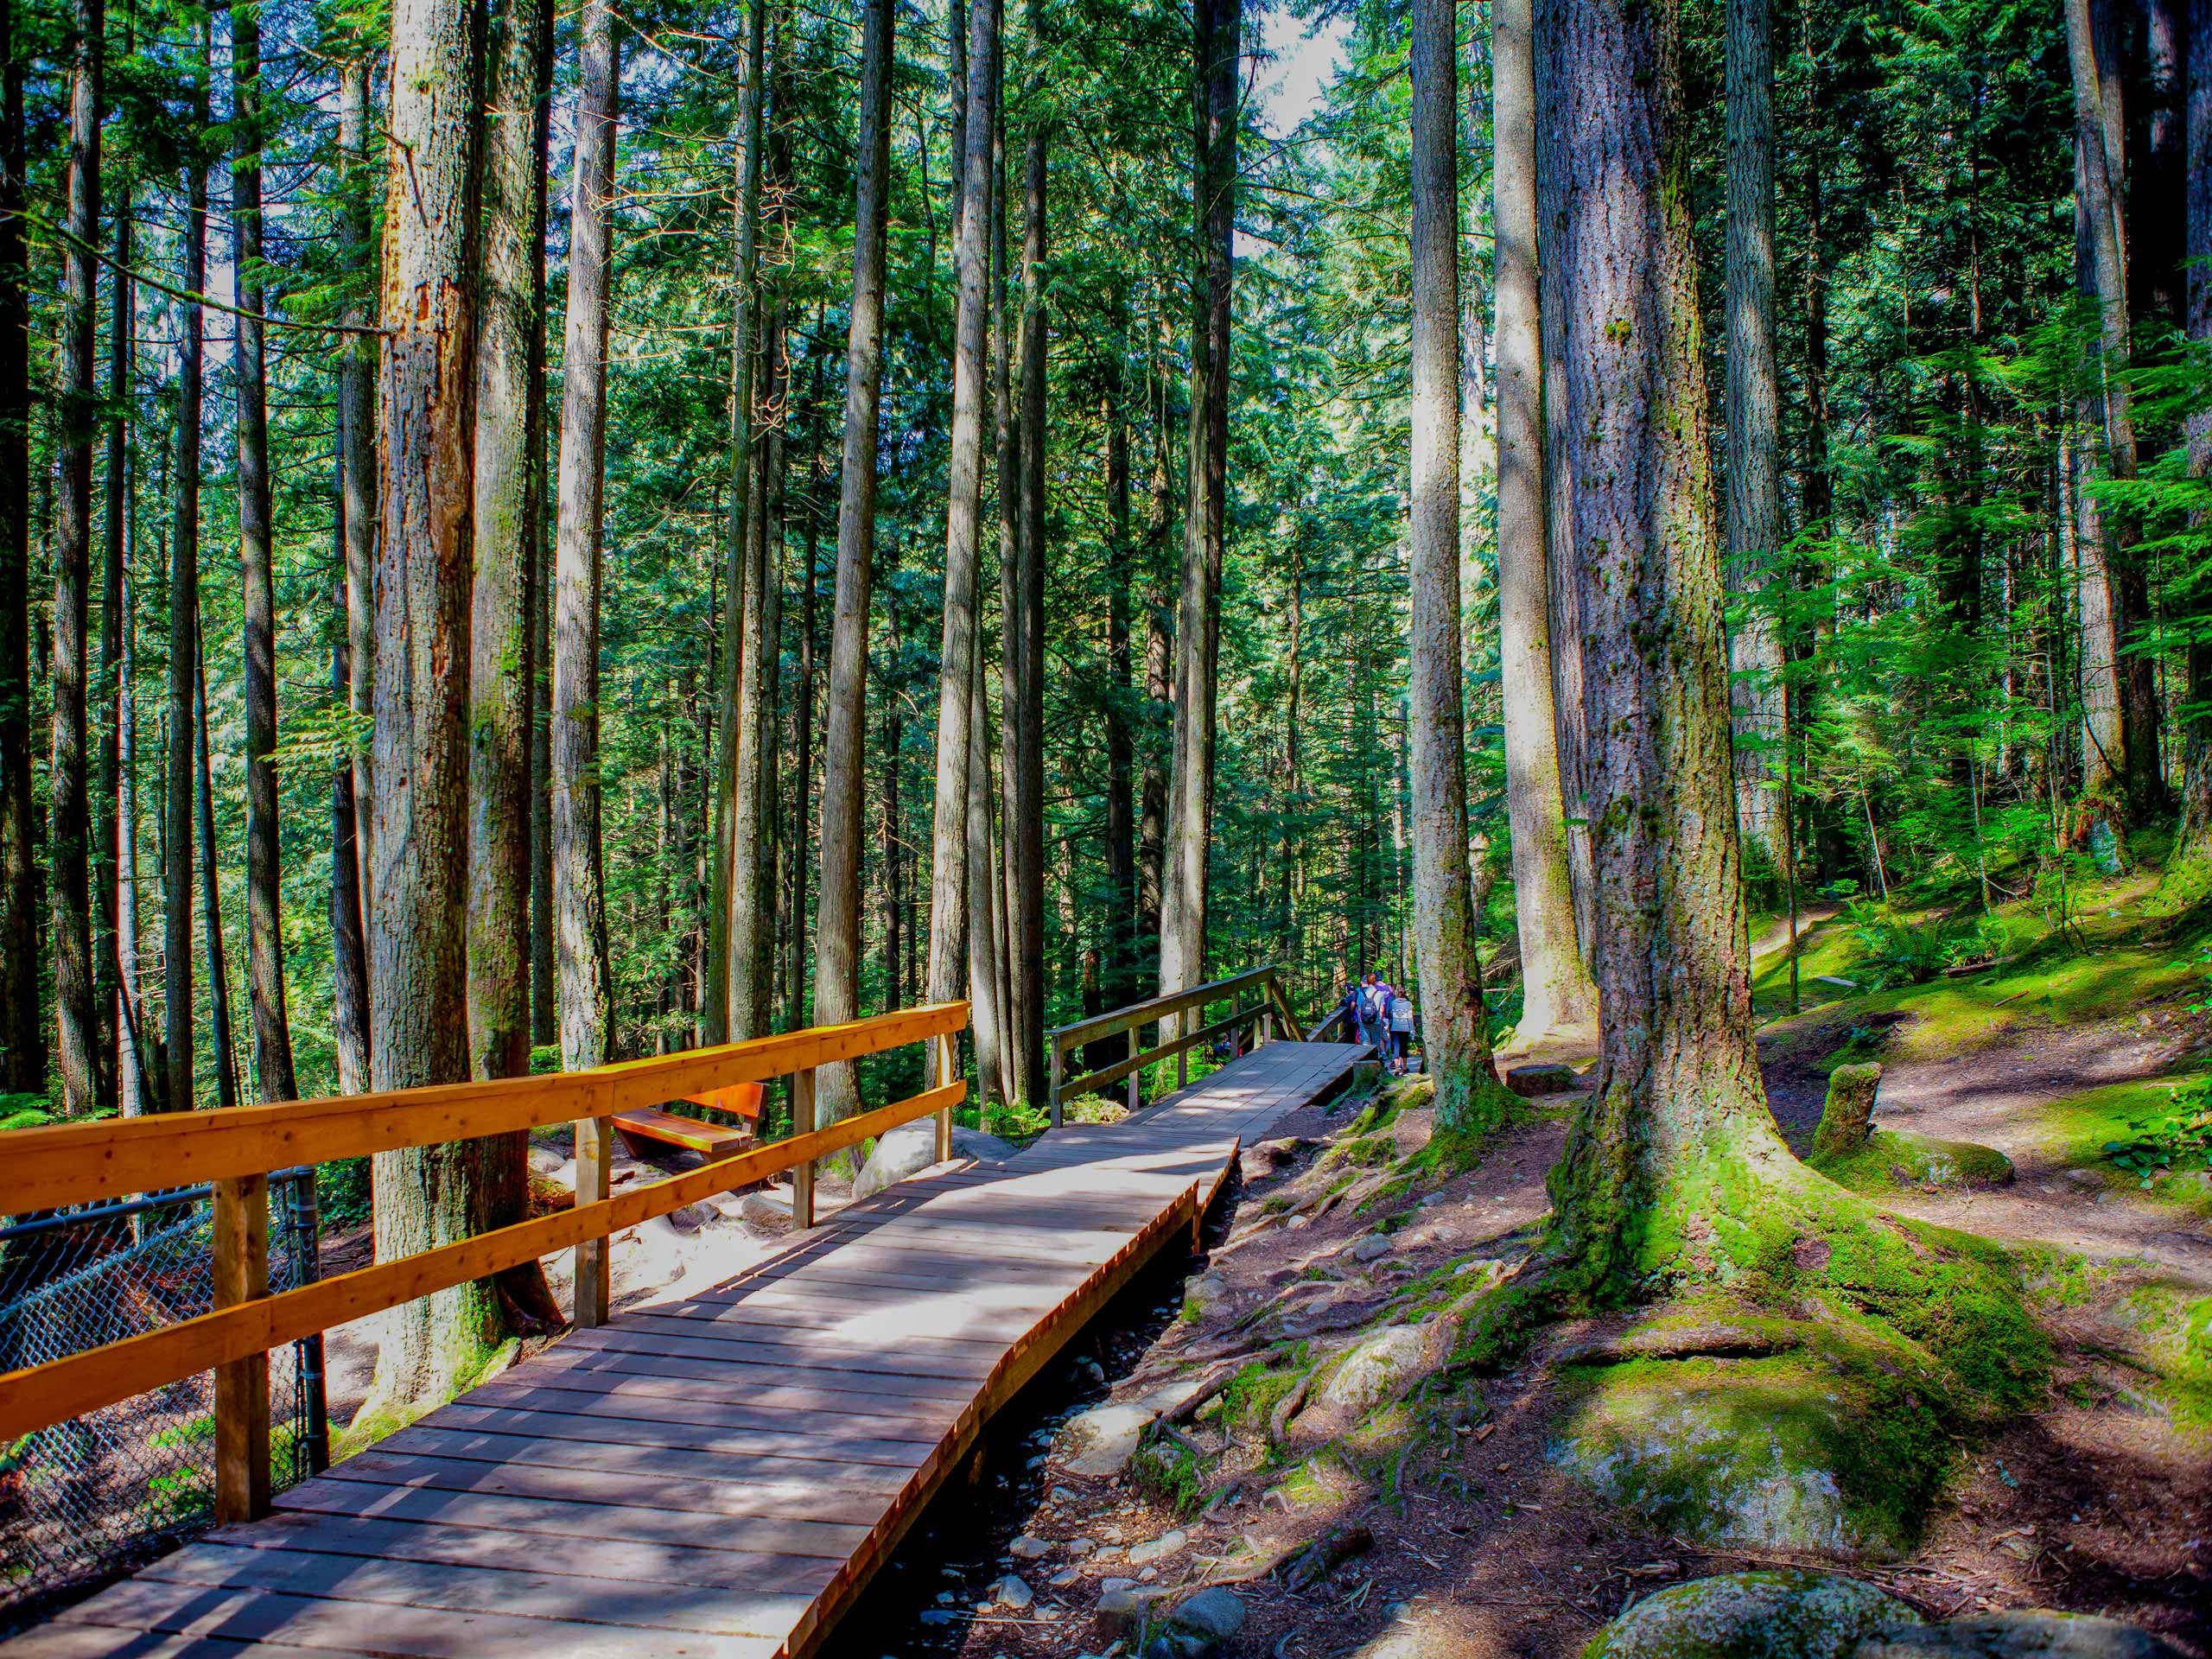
(418, 847)
(1558, 1000)
(739, 824)
(1190, 791)
(2196, 99)
(950, 831)
(1754, 432)
(77, 1051)
(22, 1027)
(184, 632)
(1026, 765)
(1678, 1081)
(211, 893)
(1455, 1024)
(837, 929)
(265, 941)
(112, 843)
(510, 363)
(579, 903)
(359, 506)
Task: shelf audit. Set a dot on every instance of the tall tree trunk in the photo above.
(1455, 1024)
(1159, 649)
(349, 963)
(272, 1033)
(22, 1027)
(509, 434)
(802, 724)
(112, 842)
(137, 1085)
(982, 895)
(178, 1095)
(1015, 987)
(1027, 764)
(1121, 742)
(2158, 208)
(510, 363)
(2101, 167)
(1558, 1000)
(1218, 25)
(358, 506)
(84, 1082)
(735, 917)
(418, 847)
(211, 890)
(951, 829)
(579, 901)
(1756, 646)
(837, 928)
(1678, 1081)
(2197, 805)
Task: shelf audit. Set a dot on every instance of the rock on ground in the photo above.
(1377, 1368)
(1850, 1108)
(2025, 1635)
(911, 1147)
(1780, 1615)
(1550, 1078)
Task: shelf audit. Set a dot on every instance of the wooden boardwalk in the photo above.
(720, 1477)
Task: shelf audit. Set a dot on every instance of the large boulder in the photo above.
(911, 1147)
(1848, 1110)
(2031, 1634)
(1783, 1615)
(1793, 1452)
(1548, 1077)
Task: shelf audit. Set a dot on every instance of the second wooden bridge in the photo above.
(720, 1475)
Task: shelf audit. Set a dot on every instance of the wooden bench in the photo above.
(650, 1123)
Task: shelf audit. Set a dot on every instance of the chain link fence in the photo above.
(81, 1497)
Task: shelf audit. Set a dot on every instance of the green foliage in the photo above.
(2177, 1138)
(343, 1192)
(1901, 949)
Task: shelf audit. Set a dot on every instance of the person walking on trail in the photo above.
(1374, 1011)
(1401, 1032)
(1348, 1010)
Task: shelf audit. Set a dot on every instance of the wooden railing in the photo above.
(1264, 983)
(237, 1149)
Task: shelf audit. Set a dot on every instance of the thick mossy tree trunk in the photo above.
(1558, 1002)
(1455, 1024)
(2197, 805)
(418, 849)
(1678, 1095)
(837, 929)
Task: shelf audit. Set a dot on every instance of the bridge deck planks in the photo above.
(717, 1478)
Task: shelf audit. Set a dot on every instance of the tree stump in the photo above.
(1846, 1117)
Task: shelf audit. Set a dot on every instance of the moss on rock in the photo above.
(1834, 1448)
(1780, 1615)
(1893, 1159)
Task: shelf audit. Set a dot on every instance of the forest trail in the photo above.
(719, 1477)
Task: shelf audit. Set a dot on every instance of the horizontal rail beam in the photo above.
(73, 1163)
(1091, 1083)
(53, 1393)
(1158, 1008)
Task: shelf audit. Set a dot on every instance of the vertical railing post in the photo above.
(947, 1044)
(802, 1174)
(1059, 1068)
(307, 1266)
(1136, 1077)
(241, 1241)
(595, 1182)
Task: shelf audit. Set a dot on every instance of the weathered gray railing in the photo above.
(1262, 983)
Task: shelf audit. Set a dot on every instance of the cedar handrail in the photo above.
(1271, 1007)
(236, 1147)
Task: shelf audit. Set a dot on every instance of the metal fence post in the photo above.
(307, 1268)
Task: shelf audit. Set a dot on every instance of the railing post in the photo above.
(1060, 1066)
(595, 1182)
(802, 1174)
(947, 1044)
(241, 1241)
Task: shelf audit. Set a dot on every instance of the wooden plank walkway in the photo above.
(720, 1477)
